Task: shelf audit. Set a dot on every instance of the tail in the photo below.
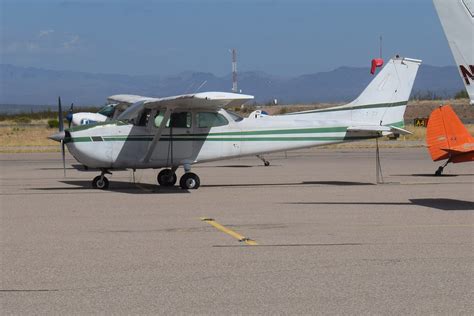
(446, 136)
(457, 19)
(384, 100)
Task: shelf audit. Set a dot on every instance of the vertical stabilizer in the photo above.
(385, 99)
(445, 131)
(457, 19)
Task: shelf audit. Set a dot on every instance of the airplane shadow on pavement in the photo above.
(120, 187)
(145, 188)
(337, 183)
(435, 203)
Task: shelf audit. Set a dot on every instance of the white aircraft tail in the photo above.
(384, 100)
(457, 19)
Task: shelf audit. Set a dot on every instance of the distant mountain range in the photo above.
(27, 85)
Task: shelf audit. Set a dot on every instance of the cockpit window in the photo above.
(107, 110)
(236, 117)
(180, 120)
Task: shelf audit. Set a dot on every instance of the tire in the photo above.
(266, 163)
(166, 178)
(439, 172)
(189, 181)
(100, 183)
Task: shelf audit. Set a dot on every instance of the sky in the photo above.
(165, 37)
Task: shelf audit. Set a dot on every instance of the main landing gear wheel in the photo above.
(100, 182)
(166, 178)
(189, 181)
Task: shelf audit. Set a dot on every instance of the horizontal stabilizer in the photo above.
(378, 129)
(462, 149)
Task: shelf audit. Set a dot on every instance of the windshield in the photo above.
(236, 117)
(107, 110)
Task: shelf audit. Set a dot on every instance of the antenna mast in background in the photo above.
(380, 43)
(234, 70)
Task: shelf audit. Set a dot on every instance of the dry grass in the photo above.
(27, 139)
(419, 133)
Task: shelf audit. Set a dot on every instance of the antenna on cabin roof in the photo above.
(234, 70)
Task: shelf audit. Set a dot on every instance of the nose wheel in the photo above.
(101, 182)
(189, 181)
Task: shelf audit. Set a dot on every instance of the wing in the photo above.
(205, 100)
(128, 98)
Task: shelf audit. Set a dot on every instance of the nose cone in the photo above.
(69, 117)
(58, 136)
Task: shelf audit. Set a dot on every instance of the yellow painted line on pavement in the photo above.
(228, 231)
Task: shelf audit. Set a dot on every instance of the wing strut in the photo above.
(156, 138)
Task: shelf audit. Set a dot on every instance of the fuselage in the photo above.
(116, 144)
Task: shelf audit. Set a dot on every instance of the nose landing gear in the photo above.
(101, 182)
(189, 180)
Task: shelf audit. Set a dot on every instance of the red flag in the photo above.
(376, 62)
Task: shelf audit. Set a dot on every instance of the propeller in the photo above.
(70, 114)
(61, 129)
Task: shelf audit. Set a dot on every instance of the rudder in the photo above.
(444, 131)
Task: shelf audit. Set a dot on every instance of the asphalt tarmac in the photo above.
(317, 236)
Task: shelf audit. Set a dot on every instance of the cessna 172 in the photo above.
(457, 19)
(188, 129)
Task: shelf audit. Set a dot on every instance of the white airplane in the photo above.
(188, 129)
(457, 19)
(110, 111)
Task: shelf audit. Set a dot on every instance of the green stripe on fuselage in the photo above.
(350, 108)
(242, 136)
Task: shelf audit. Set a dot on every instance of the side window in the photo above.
(160, 115)
(180, 120)
(143, 118)
(210, 119)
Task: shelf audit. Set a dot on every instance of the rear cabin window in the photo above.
(210, 119)
(180, 120)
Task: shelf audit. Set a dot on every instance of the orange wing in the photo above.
(446, 136)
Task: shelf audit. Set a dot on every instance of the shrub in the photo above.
(22, 120)
(53, 123)
(283, 110)
(462, 94)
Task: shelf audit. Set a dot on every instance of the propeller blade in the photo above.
(63, 153)
(60, 115)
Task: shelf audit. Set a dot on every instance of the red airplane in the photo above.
(447, 138)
